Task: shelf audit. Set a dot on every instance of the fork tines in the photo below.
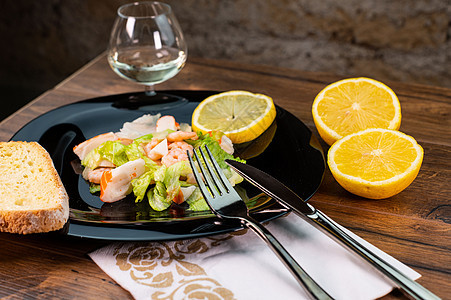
(209, 170)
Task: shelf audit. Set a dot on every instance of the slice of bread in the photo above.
(32, 196)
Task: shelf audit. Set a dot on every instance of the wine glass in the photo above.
(146, 44)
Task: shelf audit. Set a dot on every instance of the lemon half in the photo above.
(241, 115)
(375, 163)
(355, 104)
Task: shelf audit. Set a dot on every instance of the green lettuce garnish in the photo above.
(114, 152)
(94, 188)
(111, 151)
(158, 197)
(92, 159)
(141, 184)
(168, 184)
(211, 140)
(196, 201)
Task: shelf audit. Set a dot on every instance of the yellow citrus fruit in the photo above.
(375, 163)
(240, 115)
(355, 104)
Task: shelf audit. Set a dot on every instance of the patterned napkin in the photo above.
(240, 266)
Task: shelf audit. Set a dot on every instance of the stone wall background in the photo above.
(404, 40)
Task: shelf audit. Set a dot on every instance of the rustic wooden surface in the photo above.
(413, 226)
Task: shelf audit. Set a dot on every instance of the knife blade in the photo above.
(286, 197)
(271, 187)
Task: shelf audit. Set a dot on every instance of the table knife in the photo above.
(286, 197)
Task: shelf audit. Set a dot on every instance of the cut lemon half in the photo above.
(355, 104)
(241, 115)
(375, 163)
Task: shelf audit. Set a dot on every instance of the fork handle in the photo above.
(313, 289)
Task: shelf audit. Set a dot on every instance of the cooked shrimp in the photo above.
(158, 151)
(106, 164)
(152, 144)
(181, 145)
(226, 144)
(180, 136)
(174, 155)
(95, 175)
(125, 141)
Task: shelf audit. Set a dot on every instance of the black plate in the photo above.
(287, 150)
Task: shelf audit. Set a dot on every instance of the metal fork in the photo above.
(225, 203)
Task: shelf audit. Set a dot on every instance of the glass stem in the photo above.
(150, 90)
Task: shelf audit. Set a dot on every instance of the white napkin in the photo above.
(240, 266)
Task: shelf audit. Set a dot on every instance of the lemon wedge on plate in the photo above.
(355, 104)
(375, 163)
(241, 115)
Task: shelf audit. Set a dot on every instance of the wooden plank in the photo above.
(29, 273)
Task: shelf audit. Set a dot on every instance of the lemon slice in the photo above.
(241, 115)
(355, 104)
(375, 163)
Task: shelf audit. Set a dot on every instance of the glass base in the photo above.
(156, 101)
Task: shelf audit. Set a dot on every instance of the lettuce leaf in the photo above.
(94, 188)
(211, 140)
(135, 151)
(92, 159)
(141, 184)
(196, 201)
(114, 152)
(172, 178)
(143, 139)
(158, 198)
(111, 150)
(167, 184)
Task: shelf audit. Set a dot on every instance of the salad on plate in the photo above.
(148, 157)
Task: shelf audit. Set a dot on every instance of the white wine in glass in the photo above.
(146, 44)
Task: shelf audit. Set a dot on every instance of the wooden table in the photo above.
(413, 226)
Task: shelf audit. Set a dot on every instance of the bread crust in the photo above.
(35, 220)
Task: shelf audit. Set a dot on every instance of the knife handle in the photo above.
(409, 286)
(314, 290)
